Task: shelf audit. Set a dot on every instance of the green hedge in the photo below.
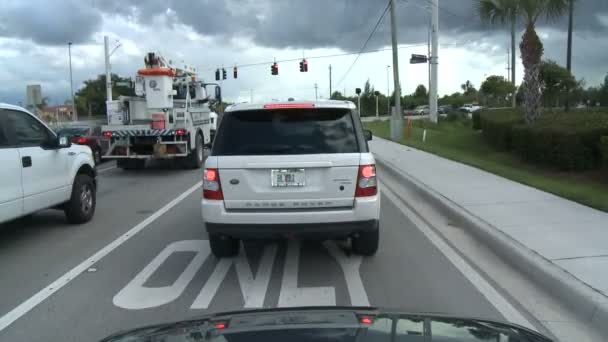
(603, 147)
(476, 120)
(566, 141)
(496, 126)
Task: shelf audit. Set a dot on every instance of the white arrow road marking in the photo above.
(253, 289)
(46, 292)
(350, 267)
(136, 296)
(290, 294)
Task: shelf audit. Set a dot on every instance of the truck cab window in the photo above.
(28, 131)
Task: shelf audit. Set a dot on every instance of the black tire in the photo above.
(223, 246)
(195, 159)
(131, 164)
(366, 243)
(81, 206)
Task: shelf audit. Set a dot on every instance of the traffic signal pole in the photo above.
(397, 116)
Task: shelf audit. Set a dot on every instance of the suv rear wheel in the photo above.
(223, 246)
(366, 243)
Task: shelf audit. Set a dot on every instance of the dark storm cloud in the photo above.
(301, 24)
(48, 23)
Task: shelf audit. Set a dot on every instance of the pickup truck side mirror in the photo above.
(367, 134)
(63, 142)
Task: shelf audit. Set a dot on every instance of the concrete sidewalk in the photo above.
(572, 236)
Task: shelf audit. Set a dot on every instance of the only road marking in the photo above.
(46, 292)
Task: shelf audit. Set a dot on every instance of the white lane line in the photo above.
(501, 304)
(106, 169)
(46, 292)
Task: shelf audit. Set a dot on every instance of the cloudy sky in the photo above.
(214, 33)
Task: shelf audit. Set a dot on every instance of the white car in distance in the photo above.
(41, 170)
(293, 169)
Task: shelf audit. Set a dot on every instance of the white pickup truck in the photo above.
(41, 170)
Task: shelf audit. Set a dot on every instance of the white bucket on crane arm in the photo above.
(158, 83)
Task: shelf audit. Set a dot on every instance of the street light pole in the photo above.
(397, 117)
(106, 46)
(74, 111)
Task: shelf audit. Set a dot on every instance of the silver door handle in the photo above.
(71, 153)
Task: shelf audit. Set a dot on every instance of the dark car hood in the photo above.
(330, 324)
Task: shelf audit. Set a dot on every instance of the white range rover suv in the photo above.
(39, 170)
(293, 169)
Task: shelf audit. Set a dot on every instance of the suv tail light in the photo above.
(366, 181)
(212, 188)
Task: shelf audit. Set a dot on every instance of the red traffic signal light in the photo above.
(274, 69)
(234, 72)
(304, 66)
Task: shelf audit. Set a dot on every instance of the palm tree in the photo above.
(503, 12)
(529, 11)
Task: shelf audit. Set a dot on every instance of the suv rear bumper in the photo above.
(303, 230)
(338, 222)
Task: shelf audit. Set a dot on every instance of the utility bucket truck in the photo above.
(169, 118)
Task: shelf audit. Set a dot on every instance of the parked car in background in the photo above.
(470, 108)
(87, 135)
(421, 110)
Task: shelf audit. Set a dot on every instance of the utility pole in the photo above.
(330, 92)
(396, 117)
(513, 97)
(74, 111)
(509, 65)
(106, 46)
(388, 92)
(316, 95)
(569, 57)
(434, 59)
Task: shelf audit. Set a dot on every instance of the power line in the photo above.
(366, 42)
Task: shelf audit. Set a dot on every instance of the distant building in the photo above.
(33, 97)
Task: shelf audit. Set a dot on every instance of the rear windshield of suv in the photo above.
(287, 131)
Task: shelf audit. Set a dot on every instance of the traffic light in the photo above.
(224, 74)
(234, 72)
(304, 65)
(217, 74)
(274, 69)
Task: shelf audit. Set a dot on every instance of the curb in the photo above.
(587, 304)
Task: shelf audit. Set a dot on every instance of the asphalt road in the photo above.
(144, 259)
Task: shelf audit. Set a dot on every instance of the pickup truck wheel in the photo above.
(81, 206)
(195, 159)
(223, 246)
(366, 243)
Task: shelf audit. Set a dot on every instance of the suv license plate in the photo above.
(288, 178)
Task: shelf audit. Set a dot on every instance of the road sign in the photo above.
(123, 84)
(417, 59)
